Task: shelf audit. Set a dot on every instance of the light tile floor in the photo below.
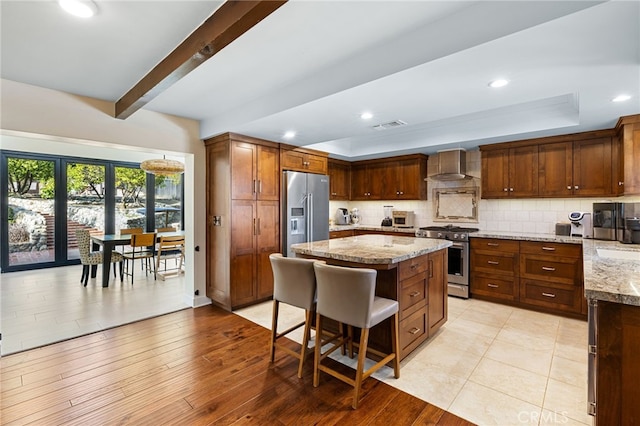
(490, 364)
(44, 306)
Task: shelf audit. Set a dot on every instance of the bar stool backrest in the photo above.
(294, 281)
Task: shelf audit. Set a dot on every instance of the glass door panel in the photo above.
(130, 198)
(168, 201)
(31, 215)
(85, 202)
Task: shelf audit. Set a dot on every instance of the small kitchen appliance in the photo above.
(457, 255)
(387, 221)
(403, 219)
(342, 217)
(355, 216)
(581, 224)
(606, 221)
(628, 223)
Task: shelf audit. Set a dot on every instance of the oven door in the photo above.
(458, 255)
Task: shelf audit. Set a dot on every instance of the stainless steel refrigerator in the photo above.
(305, 212)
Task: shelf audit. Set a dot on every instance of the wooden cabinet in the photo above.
(243, 225)
(627, 177)
(510, 172)
(578, 168)
(437, 288)
(341, 233)
(541, 275)
(396, 178)
(551, 276)
(339, 180)
(617, 369)
(303, 160)
(494, 268)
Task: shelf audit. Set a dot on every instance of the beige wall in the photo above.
(43, 120)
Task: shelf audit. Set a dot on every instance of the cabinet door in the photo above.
(268, 168)
(243, 252)
(339, 180)
(437, 288)
(268, 241)
(631, 152)
(592, 171)
(293, 160)
(523, 171)
(410, 184)
(316, 164)
(379, 176)
(243, 174)
(495, 173)
(555, 175)
(359, 183)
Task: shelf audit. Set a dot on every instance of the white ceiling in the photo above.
(315, 66)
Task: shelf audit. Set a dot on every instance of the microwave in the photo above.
(403, 219)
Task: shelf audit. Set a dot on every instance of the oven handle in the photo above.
(459, 245)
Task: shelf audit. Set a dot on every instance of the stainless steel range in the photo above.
(458, 254)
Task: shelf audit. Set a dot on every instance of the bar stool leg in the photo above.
(308, 316)
(274, 329)
(395, 346)
(362, 355)
(318, 347)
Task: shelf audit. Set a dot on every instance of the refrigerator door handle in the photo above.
(310, 215)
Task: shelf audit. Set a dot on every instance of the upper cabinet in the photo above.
(303, 160)
(339, 180)
(578, 165)
(628, 150)
(396, 178)
(255, 172)
(510, 172)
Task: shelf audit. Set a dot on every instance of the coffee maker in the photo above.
(581, 224)
(606, 221)
(629, 220)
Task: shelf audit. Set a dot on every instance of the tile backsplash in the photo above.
(538, 215)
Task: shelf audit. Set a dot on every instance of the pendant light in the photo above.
(162, 166)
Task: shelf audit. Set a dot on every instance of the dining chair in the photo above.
(294, 283)
(129, 231)
(143, 248)
(347, 295)
(88, 257)
(170, 247)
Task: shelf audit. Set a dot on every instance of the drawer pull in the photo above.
(414, 294)
(548, 295)
(548, 268)
(492, 262)
(493, 244)
(493, 285)
(414, 266)
(414, 330)
(549, 248)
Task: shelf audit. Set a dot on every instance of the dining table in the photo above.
(108, 242)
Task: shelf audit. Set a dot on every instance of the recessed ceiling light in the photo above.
(498, 83)
(79, 8)
(621, 98)
(366, 116)
(290, 134)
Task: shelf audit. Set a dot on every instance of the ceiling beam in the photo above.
(227, 23)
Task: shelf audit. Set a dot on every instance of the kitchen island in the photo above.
(410, 270)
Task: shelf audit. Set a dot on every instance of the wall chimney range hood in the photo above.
(452, 165)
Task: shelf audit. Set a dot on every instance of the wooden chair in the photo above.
(88, 257)
(170, 247)
(294, 283)
(347, 295)
(143, 247)
(129, 231)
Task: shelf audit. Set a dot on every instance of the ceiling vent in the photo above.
(390, 125)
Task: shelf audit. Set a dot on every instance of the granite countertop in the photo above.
(527, 236)
(371, 249)
(411, 231)
(611, 271)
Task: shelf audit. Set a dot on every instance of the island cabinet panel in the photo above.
(341, 234)
(617, 367)
(437, 287)
(243, 211)
(339, 180)
(532, 274)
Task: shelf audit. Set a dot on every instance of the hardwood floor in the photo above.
(192, 367)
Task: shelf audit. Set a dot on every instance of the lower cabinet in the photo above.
(342, 233)
(540, 275)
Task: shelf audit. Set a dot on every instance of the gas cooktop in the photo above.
(449, 228)
(447, 232)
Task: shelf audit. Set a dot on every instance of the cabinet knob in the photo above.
(505, 189)
(401, 193)
(569, 187)
(576, 187)
(511, 189)
(620, 183)
(397, 192)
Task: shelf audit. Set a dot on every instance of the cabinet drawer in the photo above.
(493, 263)
(495, 244)
(551, 268)
(564, 298)
(411, 267)
(501, 288)
(412, 329)
(555, 249)
(413, 294)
